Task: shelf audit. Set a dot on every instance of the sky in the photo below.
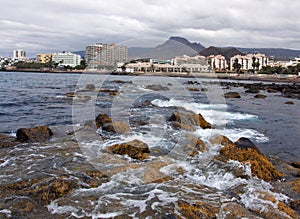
(39, 26)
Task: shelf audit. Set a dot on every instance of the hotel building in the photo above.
(66, 59)
(103, 55)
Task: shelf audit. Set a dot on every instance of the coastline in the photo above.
(222, 76)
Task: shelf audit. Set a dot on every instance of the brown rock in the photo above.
(70, 94)
(260, 165)
(197, 210)
(222, 140)
(193, 145)
(187, 120)
(7, 141)
(271, 90)
(289, 103)
(39, 133)
(296, 164)
(260, 96)
(193, 89)
(102, 119)
(232, 95)
(135, 149)
(234, 210)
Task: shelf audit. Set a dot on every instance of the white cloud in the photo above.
(72, 24)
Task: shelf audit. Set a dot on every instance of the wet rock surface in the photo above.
(232, 95)
(39, 133)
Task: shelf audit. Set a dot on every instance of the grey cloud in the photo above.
(72, 24)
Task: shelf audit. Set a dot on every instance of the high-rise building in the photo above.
(44, 58)
(104, 55)
(19, 54)
(66, 59)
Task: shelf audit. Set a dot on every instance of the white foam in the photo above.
(6, 212)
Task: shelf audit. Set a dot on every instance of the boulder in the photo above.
(187, 120)
(272, 90)
(105, 122)
(192, 144)
(102, 119)
(90, 87)
(35, 134)
(156, 87)
(221, 140)
(232, 95)
(296, 164)
(260, 96)
(252, 91)
(193, 89)
(246, 152)
(289, 103)
(70, 94)
(135, 149)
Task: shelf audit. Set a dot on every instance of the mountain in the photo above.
(227, 52)
(174, 46)
(277, 53)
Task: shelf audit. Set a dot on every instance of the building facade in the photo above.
(66, 59)
(19, 54)
(103, 55)
(246, 61)
(192, 64)
(217, 62)
(44, 58)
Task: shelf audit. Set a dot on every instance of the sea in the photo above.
(145, 103)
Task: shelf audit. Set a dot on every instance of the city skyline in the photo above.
(52, 25)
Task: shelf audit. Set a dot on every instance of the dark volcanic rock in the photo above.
(135, 149)
(245, 143)
(39, 133)
(105, 122)
(156, 87)
(102, 119)
(289, 103)
(252, 90)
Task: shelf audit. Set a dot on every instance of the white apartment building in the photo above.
(192, 64)
(101, 55)
(66, 59)
(246, 61)
(217, 62)
(19, 54)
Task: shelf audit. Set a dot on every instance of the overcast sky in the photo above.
(69, 25)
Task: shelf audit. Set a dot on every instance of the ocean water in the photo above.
(30, 99)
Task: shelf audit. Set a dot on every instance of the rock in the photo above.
(122, 82)
(135, 149)
(193, 145)
(289, 103)
(221, 140)
(116, 127)
(7, 141)
(187, 120)
(90, 87)
(232, 95)
(245, 143)
(156, 87)
(234, 210)
(296, 164)
(272, 90)
(245, 152)
(295, 205)
(35, 134)
(197, 210)
(70, 94)
(260, 96)
(102, 119)
(252, 91)
(193, 89)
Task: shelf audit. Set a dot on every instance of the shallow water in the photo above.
(141, 189)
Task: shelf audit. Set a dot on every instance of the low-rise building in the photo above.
(246, 61)
(217, 62)
(44, 58)
(66, 59)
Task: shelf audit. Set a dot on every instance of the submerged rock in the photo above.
(135, 149)
(260, 96)
(7, 141)
(156, 87)
(246, 152)
(35, 134)
(232, 95)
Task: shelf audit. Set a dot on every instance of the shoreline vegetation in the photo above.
(285, 78)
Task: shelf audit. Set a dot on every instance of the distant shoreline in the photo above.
(222, 76)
